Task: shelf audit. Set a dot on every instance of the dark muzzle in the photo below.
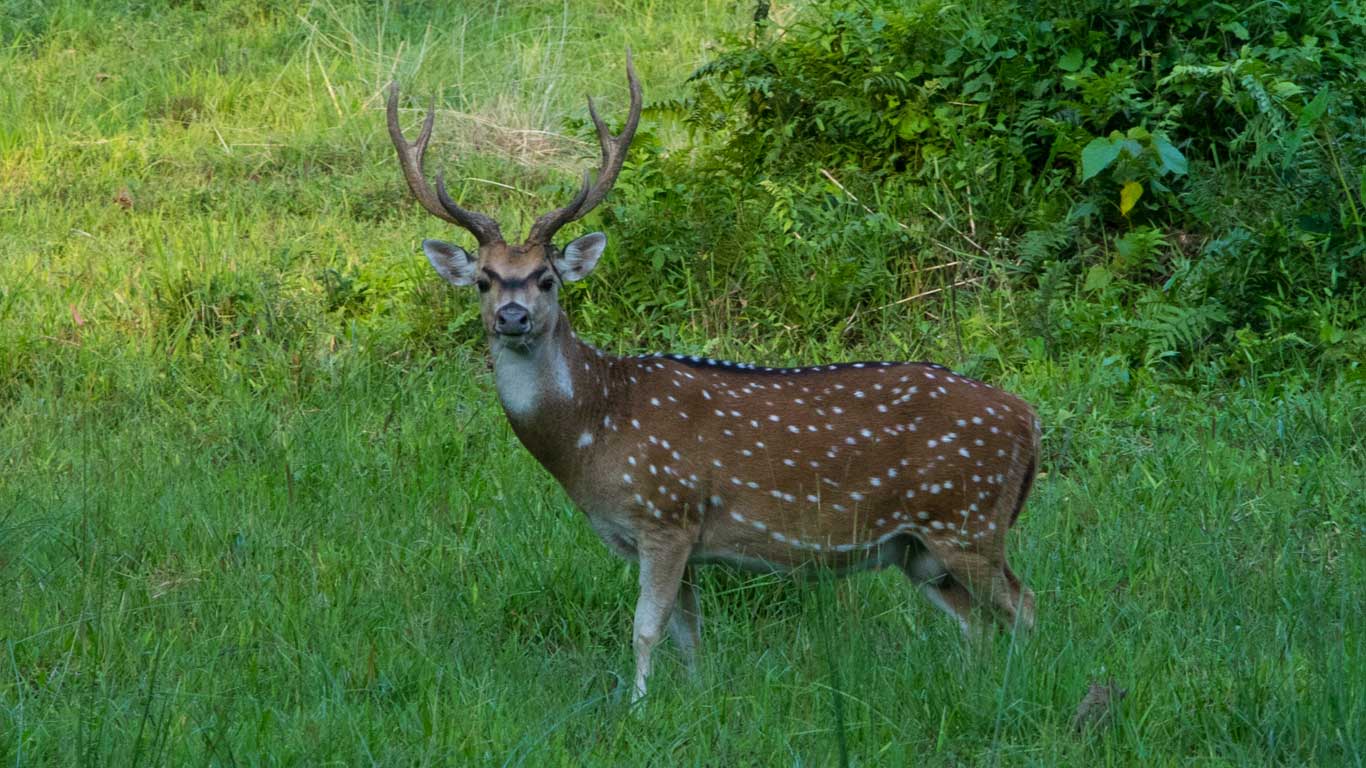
(512, 320)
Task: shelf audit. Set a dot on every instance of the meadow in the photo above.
(259, 505)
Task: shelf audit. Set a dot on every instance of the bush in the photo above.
(1195, 166)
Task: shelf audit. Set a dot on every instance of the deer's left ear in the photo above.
(580, 256)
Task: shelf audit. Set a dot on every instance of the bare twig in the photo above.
(227, 149)
(499, 184)
(933, 268)
(931, 292)
(59, 340)
(327, 81)
(853, 197)
(972, 220)
(849, 321)
(957, 231)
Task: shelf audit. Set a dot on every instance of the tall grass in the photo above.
(258, 505)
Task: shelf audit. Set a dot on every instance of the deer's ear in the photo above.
(450, 261)
(580, 256)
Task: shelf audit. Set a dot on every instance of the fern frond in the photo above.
(1174, 330)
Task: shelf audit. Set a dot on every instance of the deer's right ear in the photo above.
(450, 261)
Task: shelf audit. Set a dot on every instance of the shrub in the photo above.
(1196, 165)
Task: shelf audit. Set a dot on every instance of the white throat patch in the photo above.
(523, 379)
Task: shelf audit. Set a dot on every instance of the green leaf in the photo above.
(1097, 277)
(1237, 30)
(984, 80)
(1285, 89)
(1128, 195)
(1172, 159)
(1128, 247)
(1313, 111)
(1319, 223)
(1071, 61)
(912, 124)
(1097, 156)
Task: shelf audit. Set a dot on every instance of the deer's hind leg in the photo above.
(953, 598)
(961, 581)
(974, 553)
(933, 579)
(991, 584)
(1023, 597)
(685, 623)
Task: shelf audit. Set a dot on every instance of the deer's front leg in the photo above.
(661, 572)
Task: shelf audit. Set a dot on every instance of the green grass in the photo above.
(258, 503)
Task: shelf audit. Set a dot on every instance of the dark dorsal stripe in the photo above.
(694, 361)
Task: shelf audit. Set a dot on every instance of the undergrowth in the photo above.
(1177, 183)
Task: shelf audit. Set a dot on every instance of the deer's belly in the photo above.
(765, 557)
(619, 535)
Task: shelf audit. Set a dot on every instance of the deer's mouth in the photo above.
(520, 340)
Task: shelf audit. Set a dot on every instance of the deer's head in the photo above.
(518, 284)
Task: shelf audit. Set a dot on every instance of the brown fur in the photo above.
(704, 456)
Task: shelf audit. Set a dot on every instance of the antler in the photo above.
(613, 155)
(437, 203)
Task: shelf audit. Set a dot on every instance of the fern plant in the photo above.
(1174, 330)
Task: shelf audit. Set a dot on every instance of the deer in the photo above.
(679, 461)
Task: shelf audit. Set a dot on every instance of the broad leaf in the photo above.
(1129, 195)
(1313, 111)
(1172, 159)
(1285, 89)
(1071, 61)
(912, 124)
(1237, 30)
(1097, 277)
(1097, 156)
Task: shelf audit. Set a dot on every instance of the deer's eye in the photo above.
(547, 283)
(484, 285)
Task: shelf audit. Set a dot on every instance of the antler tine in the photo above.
(613, 156)
(485, 230)
(410, 158)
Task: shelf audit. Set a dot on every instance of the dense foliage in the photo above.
(1179, 181)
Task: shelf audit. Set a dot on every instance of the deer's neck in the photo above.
(553, 394)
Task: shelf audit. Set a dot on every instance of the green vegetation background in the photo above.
(258, 504)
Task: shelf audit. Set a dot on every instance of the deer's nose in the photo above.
(512, 320)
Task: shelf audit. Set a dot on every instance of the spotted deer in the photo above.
(680, 460)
